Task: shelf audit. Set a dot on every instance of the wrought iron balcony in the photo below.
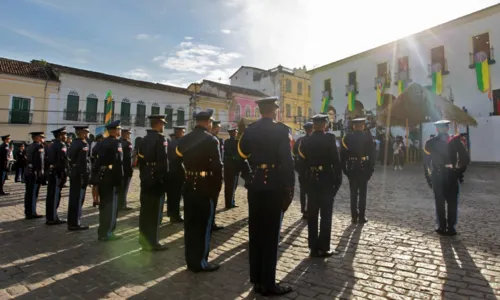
(72, 115)
(125, 119)
(480, 57)
(299, 120)
(181, 122)
(20, 117)
(431, 68)
(140, 121)
(93, 117)
(351, 88)
(402, 75)
(386, 79)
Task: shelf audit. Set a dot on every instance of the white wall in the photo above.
(462, 80)
(86, 86)
(269, 85)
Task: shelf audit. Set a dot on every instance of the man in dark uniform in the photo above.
(449, 159)
(4, 162)
(176, 177)
(57, 159)
(323, 179)
(110, 167)
(200, 151)
(358, 164)
(127, 169)
(94, 173)
(232, 167)
(267, 146)
(153, 168)
(20, 163)
(216, 125)
(300, 168)
(79, 158)
(34, 176)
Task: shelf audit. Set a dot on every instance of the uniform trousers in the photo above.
(264, 223)
(108, 207)
(446, 193)
(303, 193)
(231, 177)
(19, 174)
(320, 204)
(76, 198)
(31, 195)
(358, 188)
(215, 199)
(3, 174)
(122, 195)
(150, 216)
(54, 186)
(199, 212)
(174, 194)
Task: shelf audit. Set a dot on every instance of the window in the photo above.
(351, 77)
(382, 70)
(496, 102)
(288, 111)
(480, 43)
(20, 113)
(257, 113)
(71, 112)
(155, 109)
(288, 86)
(140, 118)
(169, 112)
(327, 85)
(91, 109)
(125, 112)
(403, 64)
(309, 90)
(181, 117)
(299, 112)
(248, 112)
(299, 88)
(237, 112)
(309, 112)
(437, 56)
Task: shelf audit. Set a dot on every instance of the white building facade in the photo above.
(82, 100)
(453, 48)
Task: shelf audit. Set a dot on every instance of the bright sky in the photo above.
(181, 41)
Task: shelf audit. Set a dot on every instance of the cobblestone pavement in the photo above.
(395, 256)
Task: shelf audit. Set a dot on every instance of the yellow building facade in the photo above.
(296, 106)
(25, 91)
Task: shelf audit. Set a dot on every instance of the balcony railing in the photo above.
(431, 68)
(300, 119)
(181, 122)
(20, 117)
(480, 57)
(351, 88)
(93, 117)
(140, 121)
(125, 120)
(72, 115)
(402, 75)
(386, 79)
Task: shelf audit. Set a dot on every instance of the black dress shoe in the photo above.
(304, 216)
(78, 228)
(328, 253)
(216, 227)
(451, 232)
(33, 217)
(56, 222)
(4, 194)
(313, 253)
(155, 248)
(257, 288)
(362, 220)
(176, 219)
(126, 208)
(276, 290)
(440, 231)
(210, 268)
(354, 220)
(110, 238)
(231, 207)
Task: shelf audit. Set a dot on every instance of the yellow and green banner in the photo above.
(380, 94)
(401, 86)
(324, 104)
(108, 110)
(351, 99)
(437, 83)
(483, 75)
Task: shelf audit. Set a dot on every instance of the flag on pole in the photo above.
(437, 83)
(483, 75)
(324, 104)
(351, 99)
(108, 110)
(401, 86)
(380, 94)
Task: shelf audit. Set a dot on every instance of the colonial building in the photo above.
(290, 85)
(81, 100)
(228, 103)
(25, 93)
(455, 59)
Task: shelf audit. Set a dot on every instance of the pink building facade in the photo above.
(244, 106)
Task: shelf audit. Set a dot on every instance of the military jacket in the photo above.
(153, 160)
(110, 162)
(79, 157)
(57, 156)
(444, 150)
(4, 156)
(127, 157)
(35, 155)
(357, 155)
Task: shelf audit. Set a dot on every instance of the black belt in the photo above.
(362, 158)
(317, 168)
(150, 163)
(199, 173)
(108, 167)
(266, 166)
